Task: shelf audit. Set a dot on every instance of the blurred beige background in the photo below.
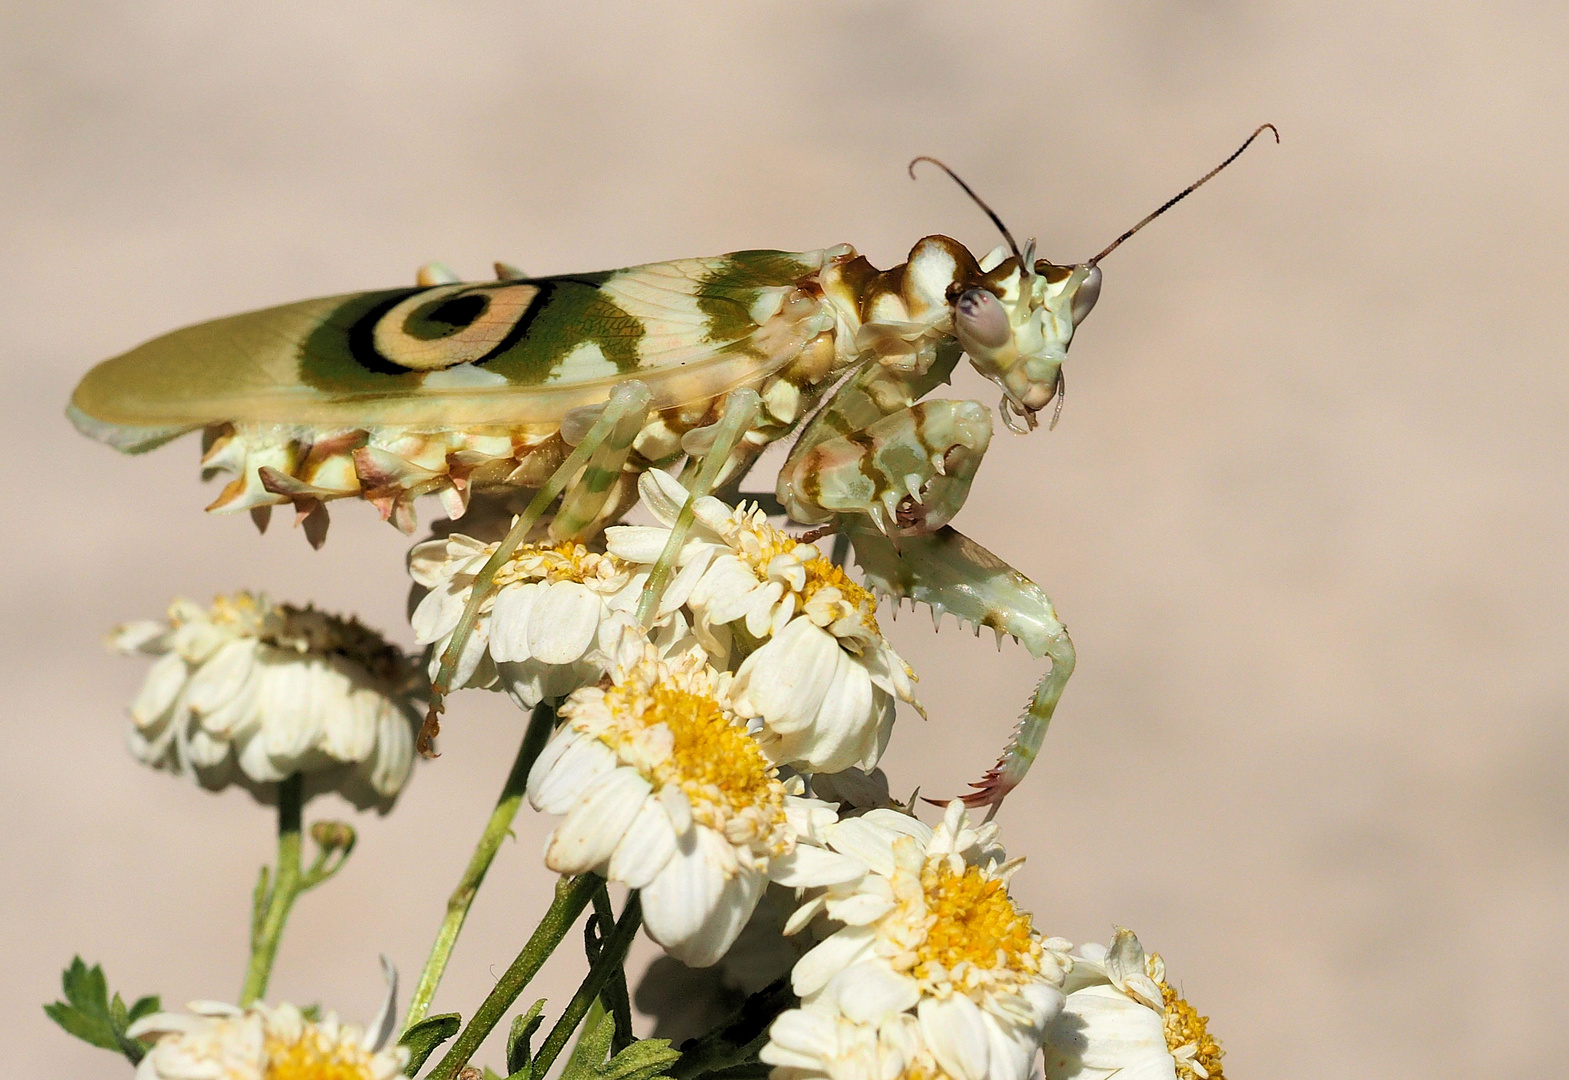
(1305, 512)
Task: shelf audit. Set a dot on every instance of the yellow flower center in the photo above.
(1185, 1028)
(713, 760)
(822, 574)
(973, 920)
(759, 542)
(566, 561)
(314, 1058)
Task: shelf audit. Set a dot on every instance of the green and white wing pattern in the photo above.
(505, 353)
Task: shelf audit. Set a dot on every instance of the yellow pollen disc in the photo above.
(313, 1058)
(1185, 1027)
(975, 921)
(759, 542)
(566, 561)
(822, 574)
(713, 758)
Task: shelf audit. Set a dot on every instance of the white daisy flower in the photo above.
(221, 1042)
(555, 607)
(818, 670)
(252, 691)
(932, 933)
(1122, 1018)
(664, 790)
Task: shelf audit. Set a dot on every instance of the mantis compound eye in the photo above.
(1084, 299)
(980, 322)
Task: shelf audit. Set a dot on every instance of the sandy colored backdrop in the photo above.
(1305, 512)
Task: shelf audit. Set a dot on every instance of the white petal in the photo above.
(646, 848)
(349, 733)
(561, 627)
(861, 909)
(677, 807)
(684, 894)
(290, 709)
(846, 723)
(956, 1033)
(801, 1038)
(788, 677)
(829, 957)
(725, 922)
(255, 762)
(636, 543)
(1102, 1028)
(807, 866)
(1012, 1048)
(509, 622)
(389, 768)
(222, 677)
(162, 685)
(862, 839)
(680, 589)
(866, 993)
(662, 494)
(438, 613)
(591, 830)
(580, 764)
(803, 915)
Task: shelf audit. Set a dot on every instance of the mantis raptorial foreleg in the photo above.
(623, 413)
(953, 574)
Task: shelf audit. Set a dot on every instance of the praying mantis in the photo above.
(572, 385)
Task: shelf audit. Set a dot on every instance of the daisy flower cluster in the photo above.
(713, 748)
(247, 691)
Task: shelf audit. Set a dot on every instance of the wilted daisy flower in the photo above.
(821, 675)
(538, 633)
(256, 691)
(1122, 1017)
(664, 790)
(930, 932)
(221, 1042)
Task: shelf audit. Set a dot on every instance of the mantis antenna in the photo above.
(997, 221)
(1175, 199)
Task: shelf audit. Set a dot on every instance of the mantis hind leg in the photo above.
(600, 483)
(722, 439)
(951, 573)
(626, 409)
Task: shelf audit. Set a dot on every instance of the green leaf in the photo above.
(519, 1054)
(312, 1013)
(91, 1015)
(492, 1074)
(588, 1057)
(644, 1060)
(423, 1038)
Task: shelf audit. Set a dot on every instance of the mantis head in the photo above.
(1016, 319)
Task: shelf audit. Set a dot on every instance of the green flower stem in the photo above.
(540, 725)
(286, 885)
(572, 896)
(611, 957)
(615, 998)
